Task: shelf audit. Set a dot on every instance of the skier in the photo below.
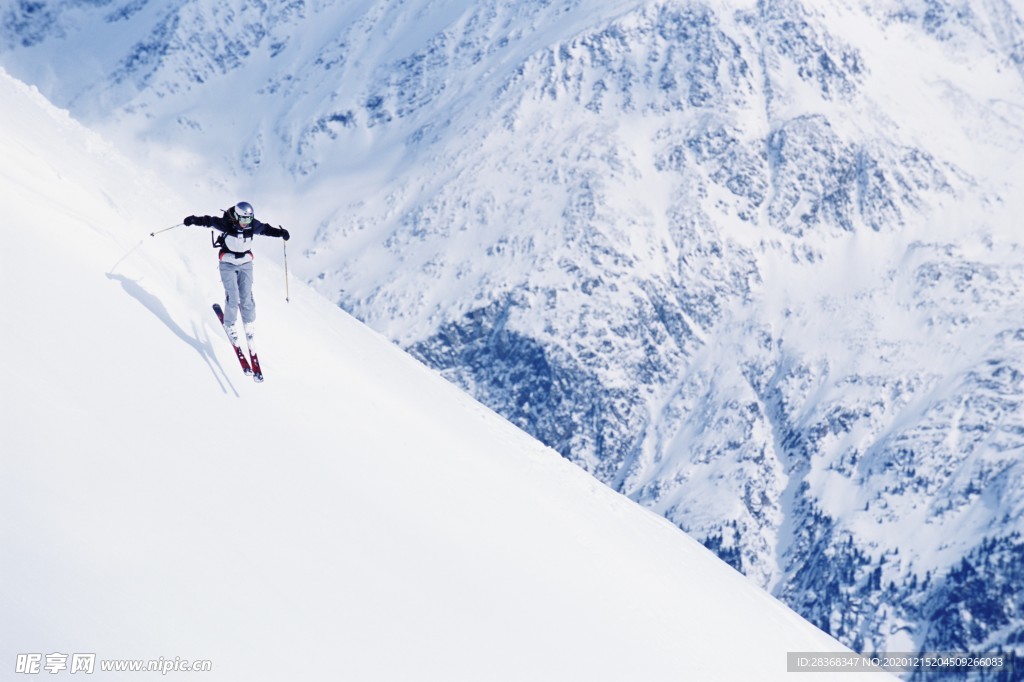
(238, 227)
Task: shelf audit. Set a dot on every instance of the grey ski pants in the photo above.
(237, 281)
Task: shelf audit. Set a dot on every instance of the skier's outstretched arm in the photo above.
(208, 221)
(263, 228)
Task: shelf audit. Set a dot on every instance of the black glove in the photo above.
(191, 220)
(284, 234)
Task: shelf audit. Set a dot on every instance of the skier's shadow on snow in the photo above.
(155, 306)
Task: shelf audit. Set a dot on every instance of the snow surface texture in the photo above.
(355, 517)
(754, 264)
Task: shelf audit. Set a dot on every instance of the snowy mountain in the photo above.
(754, 264)
(355, 516)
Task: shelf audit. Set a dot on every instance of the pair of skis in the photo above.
(252, 369)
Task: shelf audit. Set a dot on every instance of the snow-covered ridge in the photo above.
(754, 264)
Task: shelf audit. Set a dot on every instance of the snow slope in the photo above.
(355, 517)
(759, 270)
(754, 264)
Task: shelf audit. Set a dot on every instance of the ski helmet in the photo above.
(243, 212)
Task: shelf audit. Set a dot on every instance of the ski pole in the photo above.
(122, 258)
(153, 234)
(284, 245)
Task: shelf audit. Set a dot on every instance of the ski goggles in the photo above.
(244, 219)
